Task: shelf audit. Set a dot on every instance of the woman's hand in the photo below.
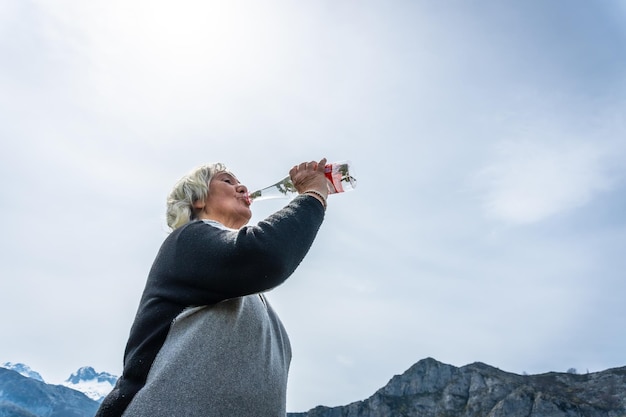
(309, 176)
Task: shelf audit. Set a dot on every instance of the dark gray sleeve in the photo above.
(206, 264)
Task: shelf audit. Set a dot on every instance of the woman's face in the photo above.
(227, 201)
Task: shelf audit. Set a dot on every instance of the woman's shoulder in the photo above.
(195, 229)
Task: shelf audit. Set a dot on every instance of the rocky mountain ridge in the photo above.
(433, 389)
(427, 389)
(22, 396)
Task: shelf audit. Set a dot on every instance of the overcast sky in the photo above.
(488, 139)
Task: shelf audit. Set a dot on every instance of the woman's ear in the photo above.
(199, 204)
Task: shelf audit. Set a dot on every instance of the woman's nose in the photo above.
(242, 189)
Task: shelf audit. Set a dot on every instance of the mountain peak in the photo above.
(88, 374)
(24, 396)
(95, 385)
(23, 370)
(85, 373)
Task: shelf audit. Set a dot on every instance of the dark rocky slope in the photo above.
(27, 397)
(433, 389)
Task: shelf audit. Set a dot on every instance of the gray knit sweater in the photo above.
(205, 342)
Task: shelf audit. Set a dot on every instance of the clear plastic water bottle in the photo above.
(338, 175)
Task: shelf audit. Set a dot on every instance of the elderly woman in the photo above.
(205, 341)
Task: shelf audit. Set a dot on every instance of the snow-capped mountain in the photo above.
(22, 396)
(93, 384)
(23, 370)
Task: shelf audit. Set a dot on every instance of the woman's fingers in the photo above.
(309, 166)
(309, 176)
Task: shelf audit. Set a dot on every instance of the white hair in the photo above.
(189, 189)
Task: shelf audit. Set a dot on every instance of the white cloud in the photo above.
(532, 180)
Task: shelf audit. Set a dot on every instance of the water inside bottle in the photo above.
(339, 177)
